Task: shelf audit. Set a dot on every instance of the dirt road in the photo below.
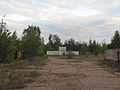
(61, 74)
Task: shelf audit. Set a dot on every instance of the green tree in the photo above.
(93, 47)
(15, 45)
(54, 42)
(90, 46)
(70, 44)
(4, 42)
(49, 47)
(115, 42)
(83, 48)
(31, 42)
(103, 47)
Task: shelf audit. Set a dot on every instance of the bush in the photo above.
(70, 55)
(87, 54)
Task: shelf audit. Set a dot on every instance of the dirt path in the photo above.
(60, 74)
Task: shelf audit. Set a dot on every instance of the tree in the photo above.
(90, 46)
(49, 47)
(54, 42)
(31, 42)
(70, 44)
(115, 42)
(4, 43)
(15, 44)
(83, 47)
(50, 40)
(103, 47)
(94, 47)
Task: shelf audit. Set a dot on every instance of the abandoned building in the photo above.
(112, 55)
(62, 51)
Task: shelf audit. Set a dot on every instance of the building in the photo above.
(62, 51)
(112, 55)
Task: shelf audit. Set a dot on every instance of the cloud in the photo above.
(79, 19)
(17, 17)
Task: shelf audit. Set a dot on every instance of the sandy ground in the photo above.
(61, 74)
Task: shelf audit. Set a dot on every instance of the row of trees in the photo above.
(93, 46)
(31, 44)
(72, 45)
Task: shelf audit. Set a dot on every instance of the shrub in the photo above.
(87, 54)
(70, 55)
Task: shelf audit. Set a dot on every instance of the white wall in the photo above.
(75, 53)
(60, 53)
(53, 53)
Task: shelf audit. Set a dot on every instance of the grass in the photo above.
(91, 57)
(33, 74)
(39, 61)
(15, 76)
(11, 80)
(22, 64)
(80, 58)
(16, 79)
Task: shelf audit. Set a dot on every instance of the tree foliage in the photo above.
(32, 42)
(92, 47)
(5, 40)
(54, 42)
(115, 41)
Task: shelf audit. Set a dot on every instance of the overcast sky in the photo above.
(78, 19)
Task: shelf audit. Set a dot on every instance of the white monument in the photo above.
(62, 50)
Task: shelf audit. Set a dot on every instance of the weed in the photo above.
(11, 80)
(70, 55)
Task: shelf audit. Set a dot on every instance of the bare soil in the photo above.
(62, 74)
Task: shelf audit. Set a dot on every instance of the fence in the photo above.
(61, 53)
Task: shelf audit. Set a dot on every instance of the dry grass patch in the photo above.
(16, 79)
(14, 75)
(82, 58)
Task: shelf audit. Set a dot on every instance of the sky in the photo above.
(78, 19)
